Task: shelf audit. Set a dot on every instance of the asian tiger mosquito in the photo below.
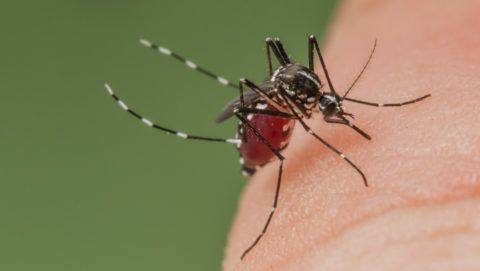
(267, 112)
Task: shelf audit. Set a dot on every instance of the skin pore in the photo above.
(422, 209)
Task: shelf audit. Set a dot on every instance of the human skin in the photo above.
(422, 209)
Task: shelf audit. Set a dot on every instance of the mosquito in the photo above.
(267, 112)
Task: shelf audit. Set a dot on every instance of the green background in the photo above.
(83, 185)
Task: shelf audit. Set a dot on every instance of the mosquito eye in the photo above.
(326, 105)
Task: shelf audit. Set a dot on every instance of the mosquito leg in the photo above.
(269, 57)
(328, 145)
(243, 109)
(345, 121)
(266, 112)
(188, 63)
(311, 61)
(269, 219)
(164, 129)
(262, 93)
(242, 105)
(284, 55)
(273, 45)
(279, 180)
(313, 44)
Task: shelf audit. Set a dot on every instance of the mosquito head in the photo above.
(300, 83)
(330, 103)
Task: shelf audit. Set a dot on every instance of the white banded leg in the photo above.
(364, 178)
(164, 129)
(187, 62)
(328, 145)
(279, 180)
(388, 104)
(246, 124)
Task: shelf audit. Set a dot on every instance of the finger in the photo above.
(423, 157)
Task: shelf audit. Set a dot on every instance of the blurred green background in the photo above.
(83, 185)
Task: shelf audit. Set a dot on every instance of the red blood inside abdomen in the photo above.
(275, 130)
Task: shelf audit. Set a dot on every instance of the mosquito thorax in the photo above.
(299, 82)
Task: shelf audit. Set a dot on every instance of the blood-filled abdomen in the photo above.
(276, 130)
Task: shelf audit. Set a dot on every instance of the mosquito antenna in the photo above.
(361, 72)
(388, 104)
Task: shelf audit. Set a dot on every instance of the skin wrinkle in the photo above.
(421, 156)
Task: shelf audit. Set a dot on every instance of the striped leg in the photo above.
(279, 181)
(166, 130)
(272, 212)
(388, 104)
(328, 145)
(240, 115)
(187, 62)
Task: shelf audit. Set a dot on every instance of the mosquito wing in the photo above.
(249, 97)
